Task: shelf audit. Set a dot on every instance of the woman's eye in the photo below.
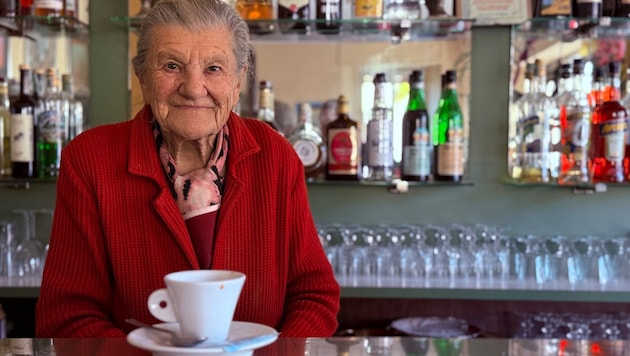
(214, 68)
(171, 66)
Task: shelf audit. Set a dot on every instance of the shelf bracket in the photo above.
(597, 188)
(15, 184)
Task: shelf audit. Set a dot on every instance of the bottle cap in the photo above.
(450, 76)
(342, 104)
(599, 74)
(613, 68)
(578, 66)
(380, 78)
(265, 84)
(416, 76)
(565, 70)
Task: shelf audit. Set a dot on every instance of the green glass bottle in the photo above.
(450, 136)
(416, 139)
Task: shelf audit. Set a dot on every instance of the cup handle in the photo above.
(160, 305)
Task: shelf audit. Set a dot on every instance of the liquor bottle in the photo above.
(576, 130)
(48, 7)
(450, 136)
(342, 162)
(623, 10)
(552, 8)
(519, 111)
(5, 130)
(587, 9)
(328, 16)
(416, 140)
(26, 7)
(266, 111)
(8, 8)
(562, 97)
(259, 15)
(22, 128)
(540, 132)
(609, 132)
(309, 144)
(51, 128)
(366, 16)
(609, 8)
(294, 16)
(596, 96)
(75, 120)
(70, 8)
(380, 131)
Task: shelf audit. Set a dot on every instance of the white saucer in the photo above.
(159, 342)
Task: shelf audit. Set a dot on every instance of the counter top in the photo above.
(344, 346)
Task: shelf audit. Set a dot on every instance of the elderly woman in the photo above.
(186, 184)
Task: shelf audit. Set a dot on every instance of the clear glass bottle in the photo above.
(5, 130)
(23, 128)
(450, 136)
(609, 132)
(266, 110)
(75, 121)
(416, 137)
(328, 16)
(51, 128)
(380, 132)
(309, 144)
(343, 158)
(575, 120)
(540, 129)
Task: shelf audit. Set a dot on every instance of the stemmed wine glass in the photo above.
(29, 251)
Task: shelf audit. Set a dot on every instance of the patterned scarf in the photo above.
(197, 192)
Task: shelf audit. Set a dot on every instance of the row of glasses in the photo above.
(22, 252)
(473, 254)
(572, 326)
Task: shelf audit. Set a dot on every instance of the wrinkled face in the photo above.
(191, 81)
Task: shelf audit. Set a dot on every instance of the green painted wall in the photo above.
(542, 210)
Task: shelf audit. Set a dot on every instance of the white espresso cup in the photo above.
(201, 301)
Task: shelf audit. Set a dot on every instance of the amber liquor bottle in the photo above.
(23, 128)
(343, 145)
(609, 132)
(259, 15)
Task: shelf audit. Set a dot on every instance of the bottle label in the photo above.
(50, 128)
(380, 143)
(22, 132)
(48, 4)
(308, 152)
(343, 148)
(614, 133)
(417, 157)
(450, 159)
(577, 132)
(368, 8)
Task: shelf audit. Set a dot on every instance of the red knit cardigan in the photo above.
(117, 231)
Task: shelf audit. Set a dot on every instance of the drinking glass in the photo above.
(29, 251)
(8, 244)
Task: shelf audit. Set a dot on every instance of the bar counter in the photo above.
(346, 346)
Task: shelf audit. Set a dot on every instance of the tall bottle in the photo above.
(519, 111)
(540, 129)
(5, 130)
(366, 14)
(576, 130)
(51, 128)
(22, 128)
(380, 132)
(596, 96)
(343, 145)
(609, 133)
(75, 120)
(9, 8)
(294, 16)
(450, 136)
(259, 15)
(48, 7)
(416, 140)
(328, 16)
(266, 110)
(309, 144)
(70, 8)
(623, 10)
(587, 9)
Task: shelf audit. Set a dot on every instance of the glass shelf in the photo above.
(15, 183)
(585, 188)
(568, 29)
(30, 26)
(350, 30)
(389, 184)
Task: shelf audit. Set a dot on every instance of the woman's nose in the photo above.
(193, 84)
